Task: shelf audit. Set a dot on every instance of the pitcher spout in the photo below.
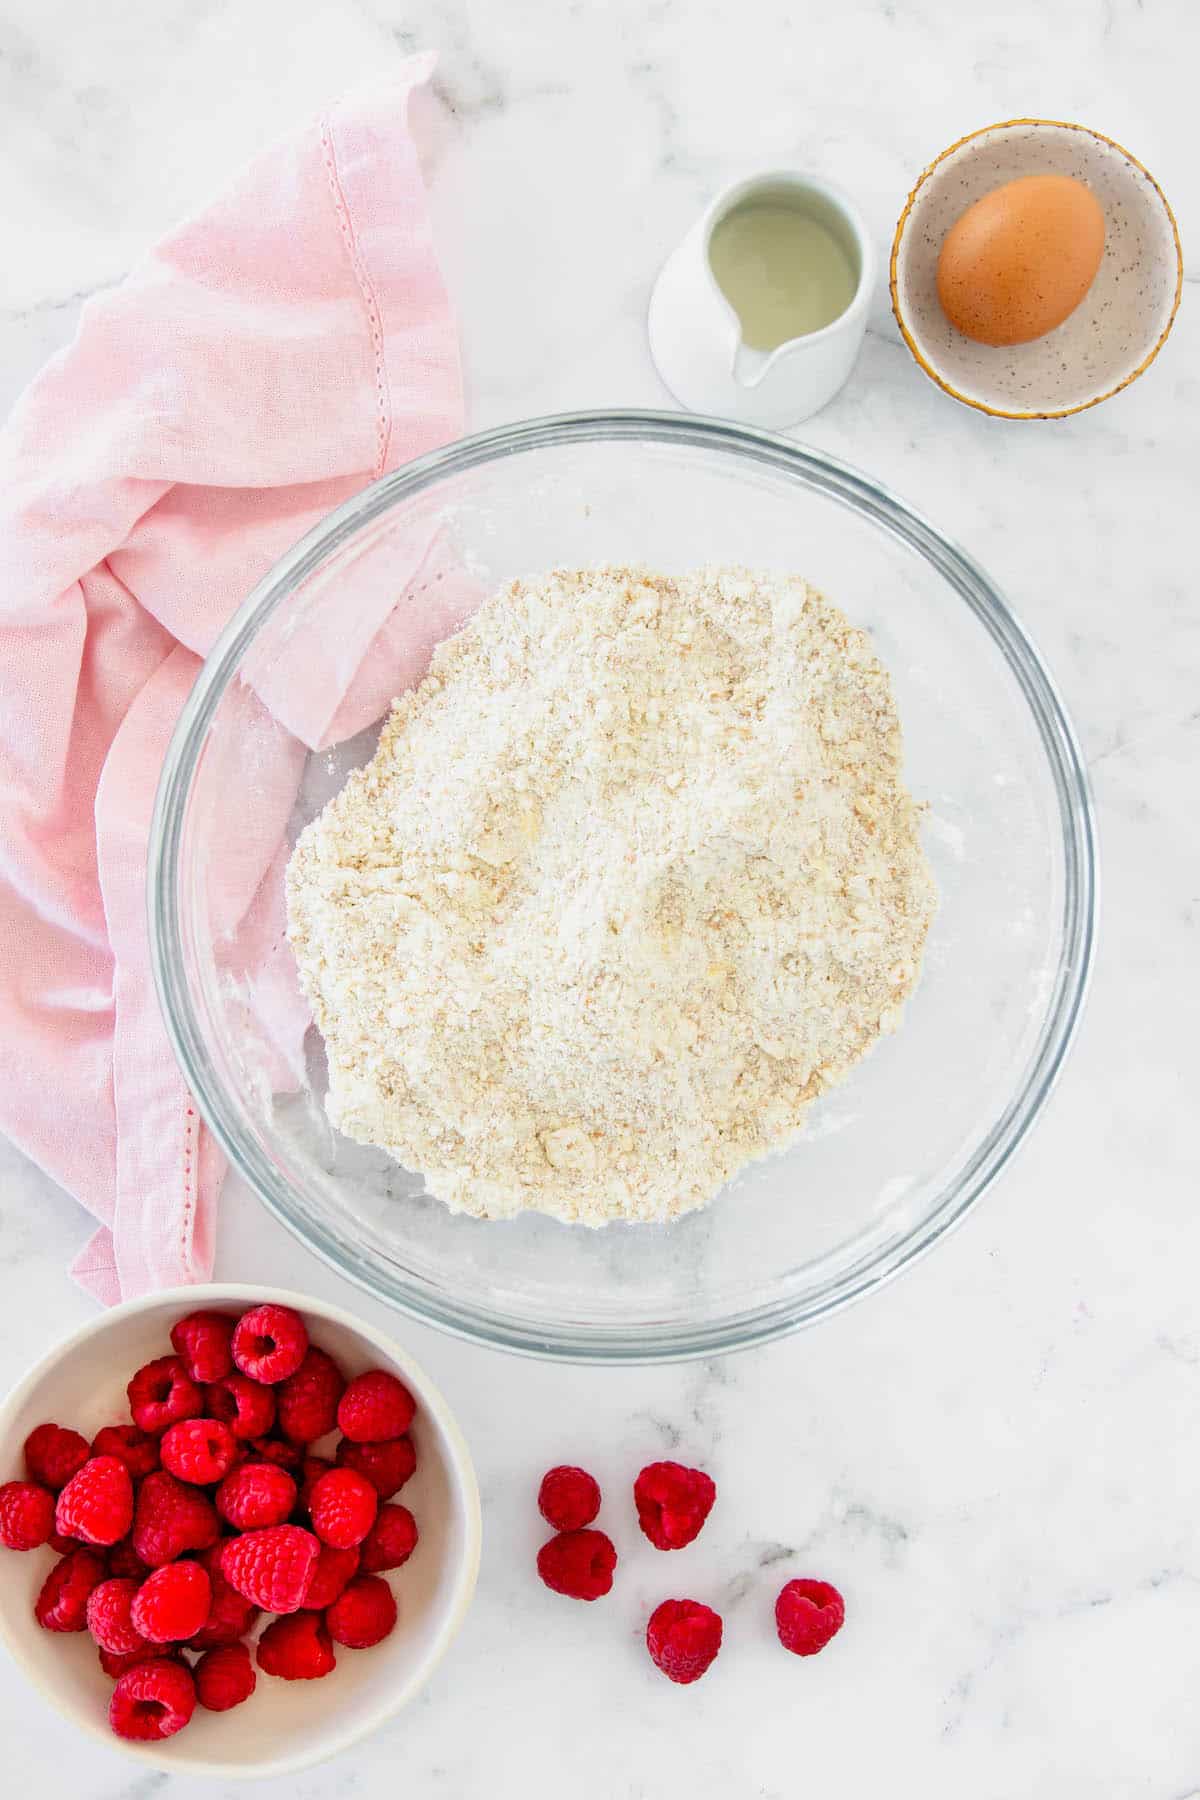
(749, 365)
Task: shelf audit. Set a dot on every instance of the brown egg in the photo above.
(1020, 260)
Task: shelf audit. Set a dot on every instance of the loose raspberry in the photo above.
(390, 1541)
(224, 1678)
(97, 1503)
(247, 1407)
(579, 1564)
(363, 1614)
(199, 1451)
(387, 1466)
(297, 1648)
(269, 1343)
(568, 1498)
(136, 1448)
(172, 1603)
(170, 1518)
(230, 1615)
(154, 1700)
(123, 1560)
(62, 1603)
(161, 1393)
(375, 1406)
(271, 1568)
(202, 1341)
(53, 1454)
(26, 1515)
(278, 1451)
(308, 1400)
(115, 1665)
(110, 1618)
(331, 1571)
(342, 1506)
(807, 1615)
(683, 1638)
(672, 1503)
(256, 1494)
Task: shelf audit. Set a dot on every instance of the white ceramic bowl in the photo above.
(1118, 328)
(284, 1726)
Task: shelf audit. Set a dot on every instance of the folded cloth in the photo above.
(263, 363)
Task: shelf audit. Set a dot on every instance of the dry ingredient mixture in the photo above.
(632, 878)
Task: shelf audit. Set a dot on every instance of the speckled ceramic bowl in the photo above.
(1116, 331)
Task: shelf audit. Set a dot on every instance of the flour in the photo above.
(632, 878)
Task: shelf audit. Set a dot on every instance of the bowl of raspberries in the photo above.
(238, 1529)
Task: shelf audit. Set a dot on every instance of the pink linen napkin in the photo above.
(263, 363)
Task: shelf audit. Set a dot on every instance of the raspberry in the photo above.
(115, 1665)
(672, 1503)
(278, 1451)
(331, 1571)
(256, 1494)
(568, 1498)
(224, 1626)
(247, 1407)
(807, 1615)
(26, 1515)
(62, 1603)
(271, 1568)
(61, 1544)
(172, 1603)
(269, 1343)
(224, 1678)
(124, 1560)
(296, 1649)
(375, 1406)
(109, 1617)
(683, 1638)
(579, 1564)
(311, 1471)
(230, 1616)
(161, 1393)
(153, 1700)
(342, 1506)
(308, 1400)
(53, 1454)
(199, 1450)
(202, 1341)
(390, 1541)
(170, 1518)
(97, 1503)
(387, 1466)
(363, 1614)
(136, 1448)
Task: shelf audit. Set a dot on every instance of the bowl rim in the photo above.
(947, 387)
(462, 1472)
(773, 1318)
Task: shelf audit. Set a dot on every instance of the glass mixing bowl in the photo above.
(893, 1158)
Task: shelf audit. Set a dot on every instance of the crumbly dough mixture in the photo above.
(632, 877)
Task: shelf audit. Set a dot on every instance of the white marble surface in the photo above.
(998, 1460)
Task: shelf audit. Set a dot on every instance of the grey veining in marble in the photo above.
(998, 1460)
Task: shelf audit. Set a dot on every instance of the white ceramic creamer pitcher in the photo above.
(696, 334)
